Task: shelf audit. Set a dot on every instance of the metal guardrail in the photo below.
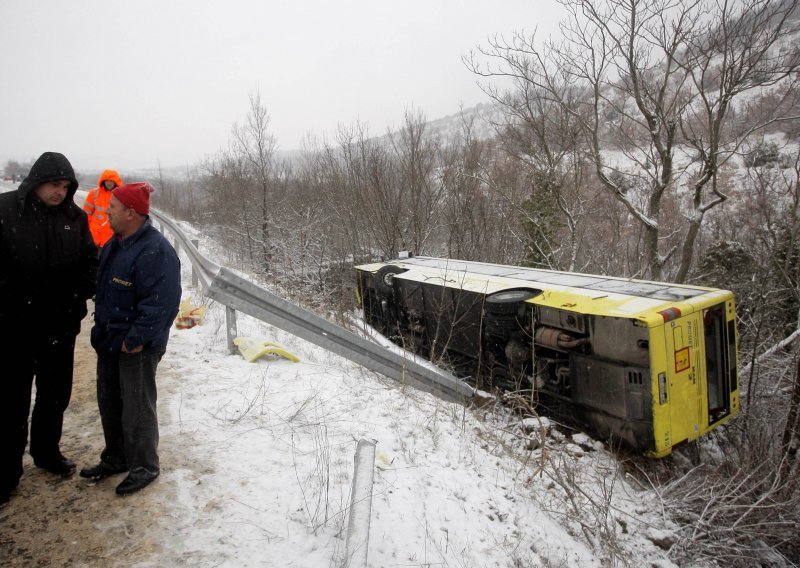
(203, 268)
(236, 293)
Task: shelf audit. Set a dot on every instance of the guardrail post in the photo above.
(230, 328)
(357, 542)
(196, 244)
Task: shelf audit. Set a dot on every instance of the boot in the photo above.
(137, 480)
(101, 471)
(58, 464)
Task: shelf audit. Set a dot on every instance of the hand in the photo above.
(136, 349)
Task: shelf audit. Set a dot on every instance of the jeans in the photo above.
(26, 354)
(126, 396)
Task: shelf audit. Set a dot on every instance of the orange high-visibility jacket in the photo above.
(96, 207)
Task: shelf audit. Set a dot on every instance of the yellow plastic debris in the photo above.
(189, 315)
(252, 348)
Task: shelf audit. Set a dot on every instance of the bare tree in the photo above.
(748, 47)
(229, 198)
(465, 212)
(546, 139)
(417, 154)
(327, 174)
(620, 74)
(16, 170)
(371, 178)
(256, 146)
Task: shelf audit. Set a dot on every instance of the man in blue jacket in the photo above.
(138, 292)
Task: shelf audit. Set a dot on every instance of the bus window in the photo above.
(716, 345)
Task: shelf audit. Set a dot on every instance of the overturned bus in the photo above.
(649, 364)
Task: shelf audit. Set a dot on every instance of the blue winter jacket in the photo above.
(138, 292)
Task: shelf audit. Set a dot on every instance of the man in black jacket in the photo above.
(48, 264)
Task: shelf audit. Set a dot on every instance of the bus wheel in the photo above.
(383, 279)
(508, 301)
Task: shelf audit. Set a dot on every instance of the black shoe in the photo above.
(5, 497)
(136, 481)
(58, 465)
(101, 471)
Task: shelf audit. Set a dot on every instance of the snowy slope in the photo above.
(257, 465)
(272, 446)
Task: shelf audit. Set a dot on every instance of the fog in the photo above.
(124, 85)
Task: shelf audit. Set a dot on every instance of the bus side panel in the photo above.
(613, 398)
(686, 397)
(662, 428)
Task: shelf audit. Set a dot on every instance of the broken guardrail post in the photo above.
(230, 328)
(357, 543)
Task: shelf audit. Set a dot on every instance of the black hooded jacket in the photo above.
(48, 261)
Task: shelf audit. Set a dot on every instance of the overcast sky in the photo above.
(127, 84)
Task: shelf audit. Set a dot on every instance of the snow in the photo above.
(258, 463)
(273, 445)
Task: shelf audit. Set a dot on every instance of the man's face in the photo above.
(52, 193)
(109, 185)
(119, 216)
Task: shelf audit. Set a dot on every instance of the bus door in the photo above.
(683, 351)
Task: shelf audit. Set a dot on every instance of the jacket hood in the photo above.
(109, 175)
(51, 166)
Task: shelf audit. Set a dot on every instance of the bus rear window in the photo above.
(717, 363)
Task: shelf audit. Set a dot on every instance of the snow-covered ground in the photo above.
(275, 441)
(257, 466)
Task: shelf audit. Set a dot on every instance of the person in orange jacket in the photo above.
(96, 206)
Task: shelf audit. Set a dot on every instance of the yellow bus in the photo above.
(649, 364)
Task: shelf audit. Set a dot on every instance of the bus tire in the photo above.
(507, 302)
(382, 282)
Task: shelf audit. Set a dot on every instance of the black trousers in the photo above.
(25, 354)
(126, 396)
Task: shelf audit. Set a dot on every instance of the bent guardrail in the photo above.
(236, 293)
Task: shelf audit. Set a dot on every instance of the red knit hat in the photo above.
(136, 196)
